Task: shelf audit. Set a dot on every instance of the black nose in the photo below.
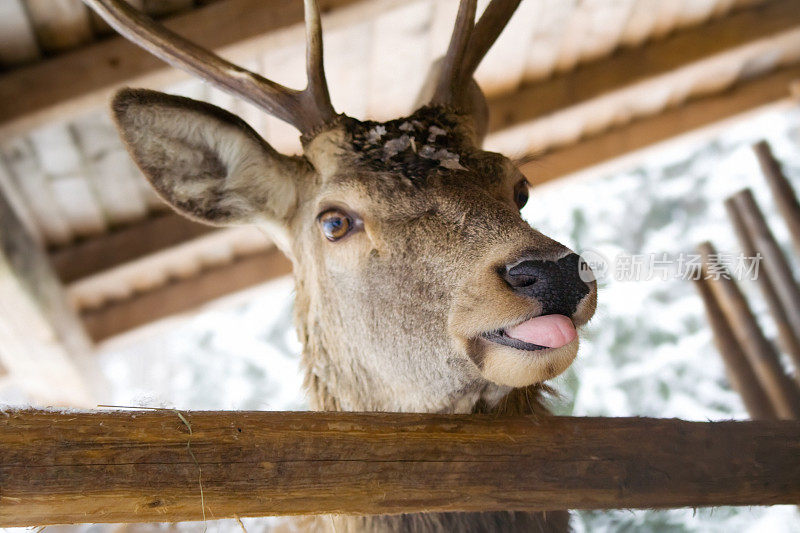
(557, 285)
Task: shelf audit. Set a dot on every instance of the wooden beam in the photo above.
(634, 65)
(184, 295)
(128, 243)
(704, 112)
(164, 465)
(42, 344)
(61, 87)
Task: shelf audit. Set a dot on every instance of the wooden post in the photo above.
(783, 394)
(774, 262)
(788, 339)
(781, 189)
(167, 466)
(42, 342)
(740, 372)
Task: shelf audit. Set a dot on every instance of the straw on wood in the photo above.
(787, 338)
(779, 387)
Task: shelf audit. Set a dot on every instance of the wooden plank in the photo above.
(60, 24)
(42, 343)
(125, 244)
(68, 84)
(165, 465)
(625, 140)
(635, 65)
(184, 295)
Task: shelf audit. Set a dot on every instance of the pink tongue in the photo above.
(550, 331)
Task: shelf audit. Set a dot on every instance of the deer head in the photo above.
(419, 286)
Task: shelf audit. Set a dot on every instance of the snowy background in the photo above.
(648, 351)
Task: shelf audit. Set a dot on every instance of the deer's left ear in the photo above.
(205, 162)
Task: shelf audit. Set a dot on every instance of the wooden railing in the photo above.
(164, 465)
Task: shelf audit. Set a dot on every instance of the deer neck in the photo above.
(334, 387)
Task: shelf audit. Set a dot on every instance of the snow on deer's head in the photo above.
(419, 286)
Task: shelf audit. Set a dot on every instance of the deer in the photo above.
(419, 286)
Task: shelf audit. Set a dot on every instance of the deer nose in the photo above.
(557, 285)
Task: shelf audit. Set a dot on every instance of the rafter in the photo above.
(104, 252)
(183, 295)
(66, 85)
(703, 115)
(725, 39)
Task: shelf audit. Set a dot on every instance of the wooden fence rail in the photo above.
(169, 466)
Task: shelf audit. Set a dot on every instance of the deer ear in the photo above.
(205, 162)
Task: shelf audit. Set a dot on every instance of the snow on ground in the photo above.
(648, 351)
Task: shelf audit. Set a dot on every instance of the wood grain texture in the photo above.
(148, 466)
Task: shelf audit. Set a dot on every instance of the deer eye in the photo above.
(521, 194)
(335, 224)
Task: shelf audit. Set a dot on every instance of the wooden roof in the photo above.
(578, 82)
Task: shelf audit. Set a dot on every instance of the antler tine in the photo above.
(302, 109)
(450, 73)
(317, 86)
(489, 27)
(468, 46)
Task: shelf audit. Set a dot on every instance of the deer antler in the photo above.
(468, 45)
(307, 110)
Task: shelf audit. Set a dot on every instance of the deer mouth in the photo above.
(532, 351)
(542, 332)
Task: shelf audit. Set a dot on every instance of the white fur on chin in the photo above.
(509, 366)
